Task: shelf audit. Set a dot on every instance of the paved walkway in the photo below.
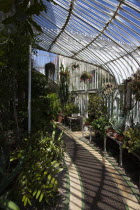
(94, 183)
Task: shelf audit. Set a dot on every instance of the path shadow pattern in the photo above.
(99, 189)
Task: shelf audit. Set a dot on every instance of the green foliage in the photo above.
(30, 167)
(8, 205)
(118, 125)
(45, 105)
(71, 108)
(54, 105)
(37, 184)
(100, 125)
(132, 140)
(6, 5)
(86, 76)
(64, 86)
(96, 107)
(23, 11)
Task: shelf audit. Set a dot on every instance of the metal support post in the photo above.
(29, 91)
(90, 137)
(120, 155)
(82, 127)
(105, 143)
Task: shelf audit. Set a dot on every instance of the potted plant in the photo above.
(110, 131)
(99, 125)
(87, 122)
(119, 136)
(119, 128)
(60, 118)
(86, 76)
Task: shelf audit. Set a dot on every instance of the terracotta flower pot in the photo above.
(60, 118)
(110, 131)
(115, 135)
(120, 137)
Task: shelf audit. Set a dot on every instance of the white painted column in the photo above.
(29, 91)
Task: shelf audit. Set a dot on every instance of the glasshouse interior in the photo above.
(70, 104)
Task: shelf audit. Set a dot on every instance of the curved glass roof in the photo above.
(105, 33)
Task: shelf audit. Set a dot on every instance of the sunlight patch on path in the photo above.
(75, 185)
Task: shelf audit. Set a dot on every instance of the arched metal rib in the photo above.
(64, 26)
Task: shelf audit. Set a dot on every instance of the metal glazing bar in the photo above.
(106, 35)
(131, 14)
(129, 34)
(102, 31)
(94, 3)
(121, 33)
(130, 5)
(121, 56)
(64, 26)
(89, 14)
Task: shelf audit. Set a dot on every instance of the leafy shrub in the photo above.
(132, 140)
(96, 107)
(37, 184)
(100, 125)
(71, 108)
(54, 105)
(64, 86)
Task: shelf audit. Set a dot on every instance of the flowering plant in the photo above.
(108, 88)
(86, 76)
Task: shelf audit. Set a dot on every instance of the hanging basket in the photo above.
(75, 66)
(86, 76)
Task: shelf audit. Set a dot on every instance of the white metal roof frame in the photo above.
(105, 33)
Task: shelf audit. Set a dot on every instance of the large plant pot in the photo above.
(110, 131)
(60, 118)
(119, 137)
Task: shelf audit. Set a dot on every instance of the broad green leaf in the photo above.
(41, 197)
(34, 193)
(29, 202)
(25, 201)
(23, 198)
(38, 193)
(8, 205)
